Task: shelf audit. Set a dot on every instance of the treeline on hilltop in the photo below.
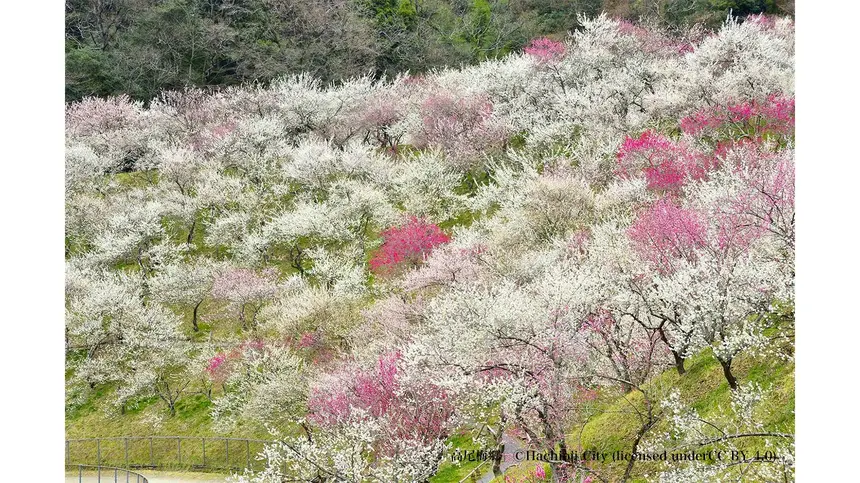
(140, 47)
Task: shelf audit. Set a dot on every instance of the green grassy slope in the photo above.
(614, 423)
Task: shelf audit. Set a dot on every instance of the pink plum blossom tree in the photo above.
(245, 290)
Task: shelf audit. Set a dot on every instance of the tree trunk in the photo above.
(679, 359)
(191, 231)
(679, 362)
(497, 460)
(639, 435)
(727, 371)
(194, 316)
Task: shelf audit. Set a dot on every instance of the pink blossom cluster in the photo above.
(654, 41)
(309, 340)
(216, 368)
(373, 391)
(765, 204)
(418, 411)
(243, 285)
(667, 165)
(601, 321)
(409, 243)
(665, 232)
(545, 50)
(96, 115)
(773, 116)
(766, 22)
(219, 365)
(460, 126)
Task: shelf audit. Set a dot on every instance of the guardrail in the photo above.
(138, 478)
(166, 452)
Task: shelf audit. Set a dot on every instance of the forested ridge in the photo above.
(140, 47)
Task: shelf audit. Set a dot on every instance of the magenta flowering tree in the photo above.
(666, 165)
(217, 368)
(407, 245)
(714, 271)
(245, 290)
(545, 50)
(666, 236)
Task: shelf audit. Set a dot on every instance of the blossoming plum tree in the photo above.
(244, 290)
(407, 244)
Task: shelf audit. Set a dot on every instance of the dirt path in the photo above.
(511, 447)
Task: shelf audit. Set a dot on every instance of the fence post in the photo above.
(115, 479)
(125, 440)
(151, 461)
(98, 452)
(179, 449)
(248, 447)
(80, 474)
(68, 457)
(204, 450)
(227, 452)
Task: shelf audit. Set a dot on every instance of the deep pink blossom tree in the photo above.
(407, 244)
(667, 165)
(545, 50)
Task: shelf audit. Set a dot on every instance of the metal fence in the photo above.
(166, 452)
(118, 473)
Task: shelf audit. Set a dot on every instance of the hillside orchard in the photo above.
(369, 268)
